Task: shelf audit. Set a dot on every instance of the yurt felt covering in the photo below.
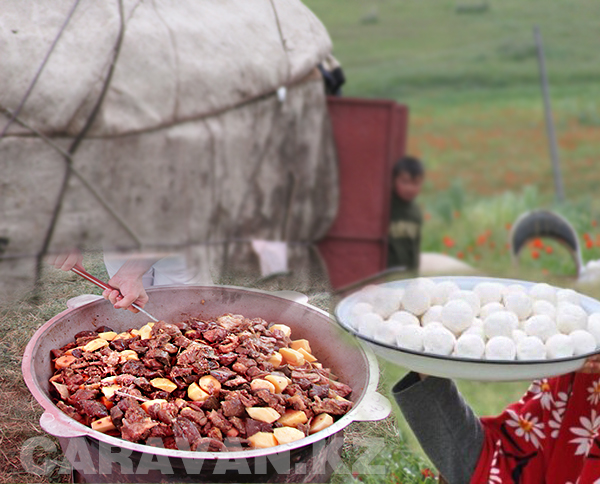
(157, 125)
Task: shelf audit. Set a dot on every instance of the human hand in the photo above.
(128, 290)
(66, 260)
(591, 365)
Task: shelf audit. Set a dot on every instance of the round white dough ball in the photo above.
(519, 303)
(500, 348)
(417, 298)
(457, 315)
(439, 341)
(475, 330)
(367, 293)
(513, 288)
(426, 283)
(489, 292)
(469, 346)
(434, 313)
(410, 337)
(367, 324)
(404, 318)
(477, 322)
(541, 326)
(490, 308)
(500, 323)
(583, 342)
(519, 334)
(468, 296)
(356, 311)
(593, 326)
(434, 324)
(544, 307)
(385, 302)
(559, 346)
(531, 348)
(568, 295)
(442, 290)
(386, 332)
(361, 308)
(570, 317)
(543, 292)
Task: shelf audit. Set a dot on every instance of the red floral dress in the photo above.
(551, 436)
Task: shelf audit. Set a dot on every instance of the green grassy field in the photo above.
(468, 72)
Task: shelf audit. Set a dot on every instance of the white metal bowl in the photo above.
(466, 368)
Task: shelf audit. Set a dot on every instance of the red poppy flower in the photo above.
(538, 244)
(589, 243)
(460, 255)
(535, 254)
(427, 473)
(448, 241)
(549, 249)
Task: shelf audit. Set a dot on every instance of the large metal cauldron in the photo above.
(307, 460)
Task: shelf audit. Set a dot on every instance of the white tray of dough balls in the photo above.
(475, 328)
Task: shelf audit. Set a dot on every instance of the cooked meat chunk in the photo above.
(341, 389)
(82, 394)
(93, 409)
(232, 408)
(223, 374)
(161, 430)
(138, 430)
(219, 421)
(236, 382)
(70, 411)
(195, 356)
(116, 415)
(215, 335)
(331, 406)
(134, 367)
(160, 355)
(194, 415)
(254, 426)
(186, 434)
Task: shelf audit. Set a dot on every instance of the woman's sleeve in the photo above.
(447, 428)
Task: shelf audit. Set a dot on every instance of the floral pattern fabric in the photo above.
(551, 436)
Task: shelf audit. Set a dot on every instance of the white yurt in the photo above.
(156, 125)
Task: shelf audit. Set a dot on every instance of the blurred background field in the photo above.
(468, 72)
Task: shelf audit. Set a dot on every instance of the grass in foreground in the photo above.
(20, 413)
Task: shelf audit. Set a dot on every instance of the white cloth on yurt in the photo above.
(272, 256)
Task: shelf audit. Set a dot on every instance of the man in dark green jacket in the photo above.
(404, 236)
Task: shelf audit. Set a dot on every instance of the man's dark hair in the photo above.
(411, 165)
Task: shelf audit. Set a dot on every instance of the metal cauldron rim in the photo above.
(370, 406)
